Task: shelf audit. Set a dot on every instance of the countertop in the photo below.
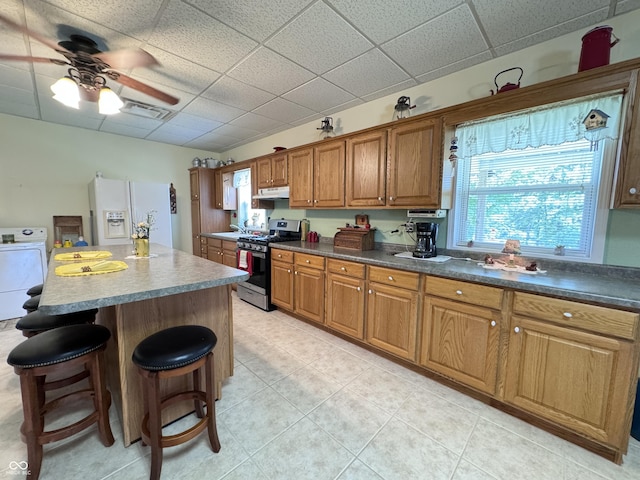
(170, 272)
(225, 235)
(614, 286)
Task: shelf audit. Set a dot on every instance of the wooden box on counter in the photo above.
(354, 238)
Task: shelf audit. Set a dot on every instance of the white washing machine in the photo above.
(23, 264)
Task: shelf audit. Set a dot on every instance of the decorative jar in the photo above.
(141, 247)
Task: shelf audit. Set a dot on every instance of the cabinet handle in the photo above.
(391, 198)
(633, 190)
(458, 292)
(359, 289)
(279, 255)
(308, 261)
(517, 329)
(493, 323)
(390, 278)
(288, 270)
(308, 201)
(370, 292)
(379, 199)
(315, 201)
(295, 273)
(196, 196)
(567, 315)
(343, 269)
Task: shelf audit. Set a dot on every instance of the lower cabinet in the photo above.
(214, 250)
(229, 257)
(392, 311)
(308, 286)
(346, 297)
(561, 367)
(282, 279)
(460, 335)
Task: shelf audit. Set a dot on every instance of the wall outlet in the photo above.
(409, 227)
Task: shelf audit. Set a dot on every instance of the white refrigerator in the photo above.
(117, 204)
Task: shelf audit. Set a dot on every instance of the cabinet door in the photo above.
(279, 171)
(309, 293)
(217, 189)
(301, 178)
(263, 172)
(195, 226)
(282, 285)
(229, 257)
(328, 174)
(366, 169)
(194, 184)
(574, 378)
(415, 164)
(461, 341)
(345, 304)
(627, 194)
(392, 317)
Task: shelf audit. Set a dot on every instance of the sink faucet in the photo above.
(237, 228)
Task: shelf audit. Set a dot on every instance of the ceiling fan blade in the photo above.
(127, 58)
(27, 58)
(143, 87)
(35, 36)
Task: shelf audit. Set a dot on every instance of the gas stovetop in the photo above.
(279, 231)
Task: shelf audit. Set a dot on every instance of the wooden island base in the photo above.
(132, 322)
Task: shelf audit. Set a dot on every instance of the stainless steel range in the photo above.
(254, 256)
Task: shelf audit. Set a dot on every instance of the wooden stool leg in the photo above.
(196, 386)
(33, 421)
(211, 404)
(101, 399)
(155, 424)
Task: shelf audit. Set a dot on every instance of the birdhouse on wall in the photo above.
(595, 119)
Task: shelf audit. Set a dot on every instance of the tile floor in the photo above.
(304, 404)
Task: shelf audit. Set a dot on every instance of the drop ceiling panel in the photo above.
(447, 39)
(232, 92)
(126, 130)
(203, 107)
(319, 40)
(257, 20)
(505, 20)
(283, 110)
(187, 33)
(381, 20)
(257, 123)
(263, 69)
(355, 75)
(398, 88)
(318, 95)
(194, 122)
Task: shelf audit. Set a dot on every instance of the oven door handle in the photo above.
(256, 254)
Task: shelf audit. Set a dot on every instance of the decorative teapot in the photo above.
(508, 86)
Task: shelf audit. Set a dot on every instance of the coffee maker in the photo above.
(427, 233)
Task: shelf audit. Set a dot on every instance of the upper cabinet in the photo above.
(414, 164)
(366, 169)
(272, 171)
(317, 176)
(627, 193)
(205, 218)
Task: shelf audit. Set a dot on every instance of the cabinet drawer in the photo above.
(214, 242)
(203, 240)
(282, 255)
(350, 269)
(229, 245)
(578, 315)
(396, 278)
(482, 295)
(311, 261)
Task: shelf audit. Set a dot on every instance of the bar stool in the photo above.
(35, 290)
(170, 353)
(36, 322)
(31, 305)
(53, 351)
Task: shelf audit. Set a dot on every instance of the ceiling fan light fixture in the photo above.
(66, 92)
(109, 103)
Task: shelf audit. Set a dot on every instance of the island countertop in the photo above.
(170, 272)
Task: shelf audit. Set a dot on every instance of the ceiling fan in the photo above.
(88, 67)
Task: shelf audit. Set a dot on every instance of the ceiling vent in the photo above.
(146, 110)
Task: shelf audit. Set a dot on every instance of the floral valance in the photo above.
(552, 124)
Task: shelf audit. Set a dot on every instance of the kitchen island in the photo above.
(168, 289)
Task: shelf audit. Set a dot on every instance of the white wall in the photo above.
(45, 170)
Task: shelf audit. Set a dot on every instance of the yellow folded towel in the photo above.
(90, 268)
(93, 255)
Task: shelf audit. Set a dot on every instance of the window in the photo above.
(252, 219)
(537, 176)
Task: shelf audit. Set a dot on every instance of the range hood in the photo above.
(272, 193)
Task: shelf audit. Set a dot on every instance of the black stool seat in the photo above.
(32, 304)
(58, 345)
(35, 290)
(174, 347)
(37, 321)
